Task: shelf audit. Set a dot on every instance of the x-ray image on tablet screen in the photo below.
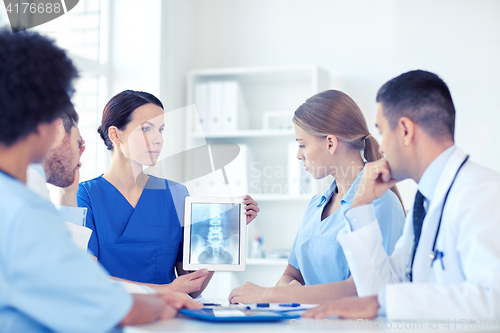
(215, 234)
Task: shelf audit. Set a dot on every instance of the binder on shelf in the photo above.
(215, 106)
(220, 106)
(201, 101)
(234, 113)
(237, 172)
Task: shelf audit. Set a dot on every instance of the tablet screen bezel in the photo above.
(189, 201)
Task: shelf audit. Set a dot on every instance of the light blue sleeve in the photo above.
(391, 218)
(52, 281)
(389, 214)
(292, 258)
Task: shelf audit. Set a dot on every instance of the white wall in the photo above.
(135, 40)
(361, 43)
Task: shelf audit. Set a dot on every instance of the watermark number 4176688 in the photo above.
(26, 14)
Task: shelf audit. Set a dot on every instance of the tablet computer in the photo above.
(214, 234)
(234, 315)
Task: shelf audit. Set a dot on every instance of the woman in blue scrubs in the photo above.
(334, 140)
(136, 218)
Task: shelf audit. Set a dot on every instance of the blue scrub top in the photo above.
(46, 283)
(316, 251)
(141, 244)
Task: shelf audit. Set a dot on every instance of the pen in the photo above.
(211, 304)
(291, 305)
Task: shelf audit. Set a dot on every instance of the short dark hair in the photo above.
(69, 118)
(118, 111)
(35, 83)
(424, 98)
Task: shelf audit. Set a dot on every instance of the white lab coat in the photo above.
(469, 285)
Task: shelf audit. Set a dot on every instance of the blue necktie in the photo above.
(418, 220)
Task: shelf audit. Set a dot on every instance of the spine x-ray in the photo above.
(215, 233)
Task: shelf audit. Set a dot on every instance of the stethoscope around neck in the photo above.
(436, 254)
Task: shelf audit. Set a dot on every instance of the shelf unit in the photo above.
(264, 89)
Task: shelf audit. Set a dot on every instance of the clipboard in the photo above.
(237, 315)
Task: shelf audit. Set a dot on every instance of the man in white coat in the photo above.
(446, 265)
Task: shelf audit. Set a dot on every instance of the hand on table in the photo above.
(350, 308)
(179, 300)
(166, 306)
(249, 293)
(251, 208)
(146, 309)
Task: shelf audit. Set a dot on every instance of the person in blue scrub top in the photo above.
(136, 218)
(334, 140)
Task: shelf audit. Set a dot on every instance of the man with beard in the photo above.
(61, 168)
(63, 160)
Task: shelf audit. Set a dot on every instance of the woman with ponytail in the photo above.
(334, 140)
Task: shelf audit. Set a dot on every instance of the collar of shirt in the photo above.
(428, 181)
(8, 174)
(38, 168)
(348, 197)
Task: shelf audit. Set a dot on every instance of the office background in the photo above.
(152, 45)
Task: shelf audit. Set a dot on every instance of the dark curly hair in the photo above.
(118, 111)
(35, 83)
